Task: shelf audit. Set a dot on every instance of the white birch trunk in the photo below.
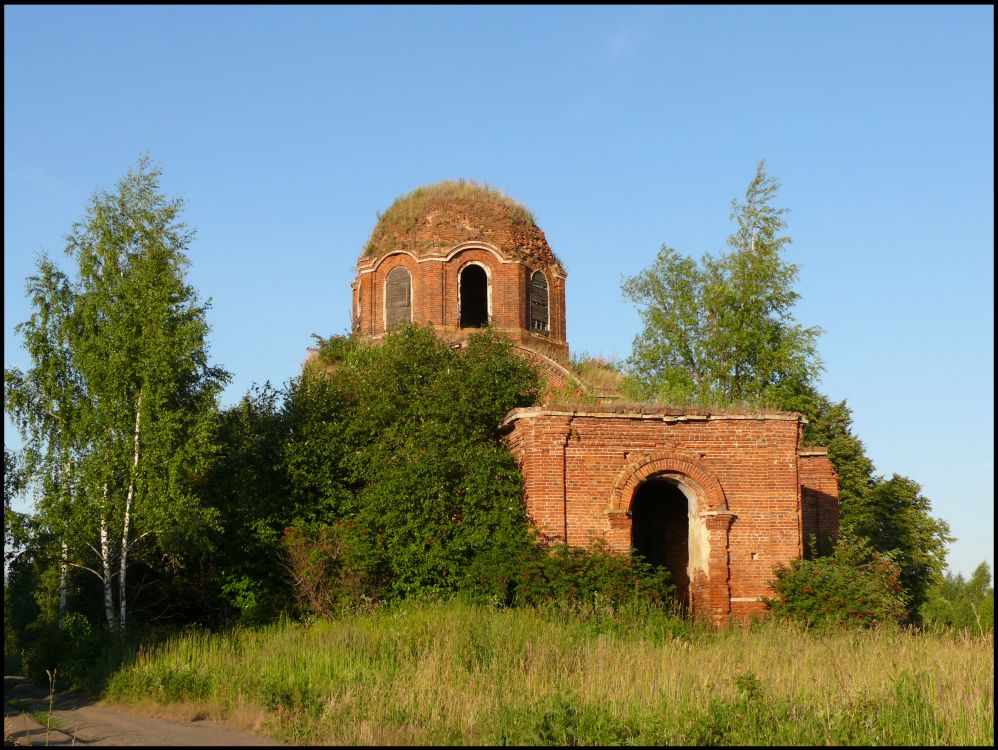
(105, 559)
(63, 577)
(64, 558)
(122, 599)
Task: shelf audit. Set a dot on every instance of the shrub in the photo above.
(70, 649)
(854, 586)
(596, 576)
(334, 568)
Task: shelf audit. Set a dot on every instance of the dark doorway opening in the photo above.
(660, 531)
(474, 297)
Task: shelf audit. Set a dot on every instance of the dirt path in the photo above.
(84, 721)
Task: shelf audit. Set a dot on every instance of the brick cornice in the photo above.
(666, 414)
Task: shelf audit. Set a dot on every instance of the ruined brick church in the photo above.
(719, 496)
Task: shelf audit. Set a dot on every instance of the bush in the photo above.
(334, 568)
(70, 649)
(854, 586)
(596, 576)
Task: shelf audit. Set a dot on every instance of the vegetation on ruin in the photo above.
(600, 375)
(407, 210)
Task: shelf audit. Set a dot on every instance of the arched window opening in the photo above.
(539, 320)
(474, 291)
(398, 298)
(660, 531)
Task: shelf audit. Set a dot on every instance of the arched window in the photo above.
(539, 314)
(398, 298)
(474, 291)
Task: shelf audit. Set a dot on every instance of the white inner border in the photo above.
(488, 289)
(530, 288)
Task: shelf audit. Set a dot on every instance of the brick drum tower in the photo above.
(717, 496)
(458, 256)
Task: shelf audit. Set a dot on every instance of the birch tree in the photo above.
(722, 330)
(139, 338)
(46, 404)
(134, 336)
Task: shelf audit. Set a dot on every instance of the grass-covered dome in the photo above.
(434, 218)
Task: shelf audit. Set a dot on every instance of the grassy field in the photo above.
(458, 674)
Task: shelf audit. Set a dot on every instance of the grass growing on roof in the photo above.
(405, 213)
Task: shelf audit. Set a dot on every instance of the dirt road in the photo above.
(83, 721)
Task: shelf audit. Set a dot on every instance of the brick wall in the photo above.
(739, 469)
(436, 294)
(819, 498)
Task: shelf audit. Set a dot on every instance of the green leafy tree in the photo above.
(402, 440)
(120, 352)
(14, 523)
(248, 486)
(722, 331)
(830, 425)
(48, 407)
(894, 516)
(964, 604)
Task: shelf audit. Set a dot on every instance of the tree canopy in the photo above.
(721, 330)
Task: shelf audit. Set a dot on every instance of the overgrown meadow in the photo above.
(454, 673)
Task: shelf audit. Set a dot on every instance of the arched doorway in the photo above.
(474, 293)
(660, 531)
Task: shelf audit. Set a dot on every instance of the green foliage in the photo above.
(249, 490)
(139, 342)
(69, 648)
(830, 424)
(856, 586)
(573, 576)
(894, 516)
(15, 525)
(335, 568)
(891, 514)
(402, 439)
(118, 406)
(721, 331)
(952, 602)
(334, 350)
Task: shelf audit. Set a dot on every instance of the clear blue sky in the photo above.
(287, 129)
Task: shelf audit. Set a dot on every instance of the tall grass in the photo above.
(459, 674)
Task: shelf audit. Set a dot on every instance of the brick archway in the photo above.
(710, 591)
(667, 463)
